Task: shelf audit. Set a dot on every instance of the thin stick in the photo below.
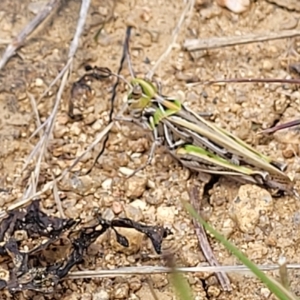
(126, 46)
(150, 284)
(218, 42)
(247, 80)
(18, 41)
(34, 184)
(55, 80)
(283, 274)
(100, 136)
(42, 145)
(46, 136)
(59, 76)
(58, 201)
(35, 109)
(49, 185)
(79, 28)
(253, 80)
(281, 126)
(187, 10)
(204, 243)
(142, 270)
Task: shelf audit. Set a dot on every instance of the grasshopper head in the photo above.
(140, 96)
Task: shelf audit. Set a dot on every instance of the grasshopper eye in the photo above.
(137, 92)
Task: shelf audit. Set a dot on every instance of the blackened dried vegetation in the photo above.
(29, 269)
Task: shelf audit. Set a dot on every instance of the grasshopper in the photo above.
(199, 144)
(195, 142)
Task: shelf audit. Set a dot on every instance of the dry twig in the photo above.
(49, 123)
(35, 109)
(283, 274)
(149, 280)
(58, 201)
(204, 244)
(142, 270)
(187, 10)
(218, 42)
(41, 146)
(49, 185)
(18, 41)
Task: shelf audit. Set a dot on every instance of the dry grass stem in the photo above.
(49, 185)
(283, 273)
(142, 270)
(41, 146)
(186, 12)
(150, 284)
(18, 41)
(58, 201)
(204, 243)
(218, 42)
(35, 110)
(98, 139)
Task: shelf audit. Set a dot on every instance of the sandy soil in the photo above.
(153, 195)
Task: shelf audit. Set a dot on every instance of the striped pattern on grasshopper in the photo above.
(198, 144)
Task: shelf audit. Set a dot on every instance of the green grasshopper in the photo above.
(197, 143)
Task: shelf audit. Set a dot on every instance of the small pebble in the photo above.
(251, 202)
(133, 213)
(189, 257)
(166, 214)
(265, 292)
(117, 207)
(75, 129)
(108, 214)
(106, 184)
(236, 6)
(135, 187)
(267, 65)
(101, 295)
(139, 204)
(121, 291)
(159, 280)
(126, 171)
(39, 82)
(135, 284)
(213, 291)
(36, 6)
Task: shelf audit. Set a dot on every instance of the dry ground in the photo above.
(152, 196)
